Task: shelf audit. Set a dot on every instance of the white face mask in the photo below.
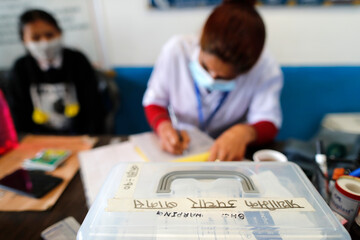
(204, 79)
(45, 50)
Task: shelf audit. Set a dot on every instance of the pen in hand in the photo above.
(174, 121)
(181, 139)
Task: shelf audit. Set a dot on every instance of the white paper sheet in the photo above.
(95, 165)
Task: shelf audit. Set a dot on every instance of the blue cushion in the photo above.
(311, 92)
(132, 82)
(308, 94)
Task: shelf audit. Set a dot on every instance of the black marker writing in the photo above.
(272, 204)
(158, 204)
(179, 214)
(201, 203)
(234, 215)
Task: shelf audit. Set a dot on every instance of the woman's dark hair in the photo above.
(235, 33)
(34, 15)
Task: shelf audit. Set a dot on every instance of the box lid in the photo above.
(226, 200)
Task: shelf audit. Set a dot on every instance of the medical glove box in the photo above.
(209, 200)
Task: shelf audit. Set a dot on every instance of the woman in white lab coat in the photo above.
(224, 83)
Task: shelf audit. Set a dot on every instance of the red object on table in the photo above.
(8, 136)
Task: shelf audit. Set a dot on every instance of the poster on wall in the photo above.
(75, 17)
(307, 2)
(166, 4)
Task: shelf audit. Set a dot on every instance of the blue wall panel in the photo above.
(311, 92)
(308, 94)
(132, 82)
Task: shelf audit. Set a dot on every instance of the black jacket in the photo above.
(75, 69)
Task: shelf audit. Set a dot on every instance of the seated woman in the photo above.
(224, 83)
(53, 89)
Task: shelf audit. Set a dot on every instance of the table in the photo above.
(29, 225)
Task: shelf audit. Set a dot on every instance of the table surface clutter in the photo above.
(79, 190)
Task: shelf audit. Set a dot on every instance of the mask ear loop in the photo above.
(72, 107)
(38, 116)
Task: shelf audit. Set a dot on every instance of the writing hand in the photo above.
(171, 140)
(231, 145)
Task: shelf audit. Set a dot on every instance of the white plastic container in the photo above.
(234, 200)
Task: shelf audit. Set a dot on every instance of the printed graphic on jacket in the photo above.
(50, 102)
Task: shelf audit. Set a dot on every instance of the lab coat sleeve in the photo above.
(156, 115)
(163, 75)
(157, 95)
(265, 132)
(265, 104)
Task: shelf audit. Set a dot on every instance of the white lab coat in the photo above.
(255, 98)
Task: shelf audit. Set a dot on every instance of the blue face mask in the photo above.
(204, 79)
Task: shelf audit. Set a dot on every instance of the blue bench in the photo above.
(308, 94)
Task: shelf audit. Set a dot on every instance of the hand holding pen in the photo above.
(172, 140)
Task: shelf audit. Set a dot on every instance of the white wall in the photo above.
(74, 16)
(314, 36)
(133, 34)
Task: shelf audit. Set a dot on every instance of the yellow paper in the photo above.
(142, 155)
(203, 157)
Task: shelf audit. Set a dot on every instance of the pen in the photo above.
(174, 122)
(320, 157)
(179, 135)
(355, 173)
(321, 160)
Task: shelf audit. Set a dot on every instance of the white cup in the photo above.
(268, 155)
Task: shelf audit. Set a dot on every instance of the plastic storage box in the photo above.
(235, 200)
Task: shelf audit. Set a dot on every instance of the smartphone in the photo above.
(33, 183)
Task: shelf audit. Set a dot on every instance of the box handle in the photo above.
(166, 181)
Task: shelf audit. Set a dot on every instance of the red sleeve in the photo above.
(155, 115)
(266, 132)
